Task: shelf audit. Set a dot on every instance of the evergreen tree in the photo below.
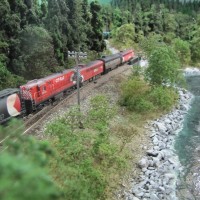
(97, 28)
(37, 53)
(59, 27)
(78, 36)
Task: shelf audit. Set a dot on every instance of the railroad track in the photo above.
(39, 118)
(33, 121)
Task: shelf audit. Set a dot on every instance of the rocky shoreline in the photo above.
(160, 166)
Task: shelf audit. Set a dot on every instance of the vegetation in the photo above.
(139, 97)
(35, 36)
(22, 168)
(85, 159)
(45, 30)
(163, 66)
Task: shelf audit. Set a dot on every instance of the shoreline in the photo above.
(160, 166)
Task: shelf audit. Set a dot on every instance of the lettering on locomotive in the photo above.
(59, 79)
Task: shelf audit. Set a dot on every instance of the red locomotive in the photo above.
(38, 92)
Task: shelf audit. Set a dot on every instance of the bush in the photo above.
(162, 97)
(137, 96)
(137, 70)
(100, 112)
(142, 104)
(134, 93)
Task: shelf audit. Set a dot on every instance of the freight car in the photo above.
(111, 62)
(90, 71)
(127, 55)
(10, 104)
(36, 93)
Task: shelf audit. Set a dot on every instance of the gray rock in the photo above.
(147, 195)
(152, 153)
(155, 140)
(151, 168)
(150, 163)
(154, 197)
(139, 194)
(161, 127)
(143, 163)
(162, 189)
(135, 198)
(156, 161)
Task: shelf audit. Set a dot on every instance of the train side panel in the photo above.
(10, 104)
(91, 70)
(38, 91)
(111, 62)
(127, 55)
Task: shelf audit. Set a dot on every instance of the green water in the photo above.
(188, 146)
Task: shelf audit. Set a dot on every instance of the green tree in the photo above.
(148, 44)
(195, 47)
(138, 18)
(22, 168)
(116, 18)
(97, 28)
(163, 66)
(86, 25)
(6, 78)
(78, 37)
(124, 35)
(58, 25)
(22, 179)
(37, 53)
(182, 48)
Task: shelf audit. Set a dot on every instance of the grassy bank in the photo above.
(92, 162)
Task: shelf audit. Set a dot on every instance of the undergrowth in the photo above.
(86, 159)
(138, 96)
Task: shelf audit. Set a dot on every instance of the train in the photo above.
(35, 94)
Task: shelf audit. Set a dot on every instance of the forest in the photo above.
(72, 163)
(35, 36)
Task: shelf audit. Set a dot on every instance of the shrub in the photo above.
(142, 104)
(137, 70)
(134, 95)
(23, 163)
(100, 112)
(162, 97)
(137, 96)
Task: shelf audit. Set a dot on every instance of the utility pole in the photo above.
(77, 56)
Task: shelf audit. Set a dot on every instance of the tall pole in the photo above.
(77, 79)
(77, 55)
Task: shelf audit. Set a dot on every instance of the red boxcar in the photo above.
(127, 55)
(51, 87)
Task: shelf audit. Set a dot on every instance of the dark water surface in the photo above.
(187, 146)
